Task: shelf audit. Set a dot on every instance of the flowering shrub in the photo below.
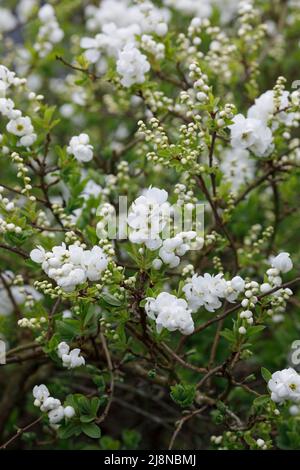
(129, 329)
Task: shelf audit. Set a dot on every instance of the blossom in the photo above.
(70, 358)
(173, 248)
(148, 216)
(7, 20)
(52, 406)
(265, 107)
(285, 385)
(207, 291)
(170, 312)
(56, 415)
(49, 32)
(237, 167)
(132, 65)
(20, 126)
(252, 134)
(40, 393)
(50, 403)
(80, 147)
(71, 266)
(25, 9)
(282, 262)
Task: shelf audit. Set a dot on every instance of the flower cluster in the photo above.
(71, 358)
(207, 291)
(132, 65)
(173, 248)
(148, 216)
(121, 24)
(52, 406)
(71, 266)
(252, 134)
(18, 125)
(49, 33)
(170, 312)
(282, 263)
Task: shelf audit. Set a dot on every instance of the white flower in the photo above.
(205, 291)
(40, 393)
(25, 8)
(265, 108)
(70, 358)
(62, 348)
(50, 404)
(285, 385)
(20, 126)
(49, 33)
(95, 262)
(132, 65)
(80, 147)
(7, 108)
(237, 166)
(282, 262)
(173, 248)
(57, 415)
(148, 216)
(7, 78)
(7, 20)
(170, 312)
(252, 134)
(234, 287)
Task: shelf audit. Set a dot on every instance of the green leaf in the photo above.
(183, 394)
(254, 330)
(111, 300)
(266, 374)
(91, 430)
(69, 430)
(228, 334)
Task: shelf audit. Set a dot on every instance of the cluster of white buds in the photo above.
(216, 439)
(157, 49)
(8, 205)
(66, 219)
(52, 406)
(156, 100)
(188, 270)
(9, 227)
(200, 80)
(123, 177)
(248, 304)
(49, 32)
(184, 195)
(22, 173)
(32, 323)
